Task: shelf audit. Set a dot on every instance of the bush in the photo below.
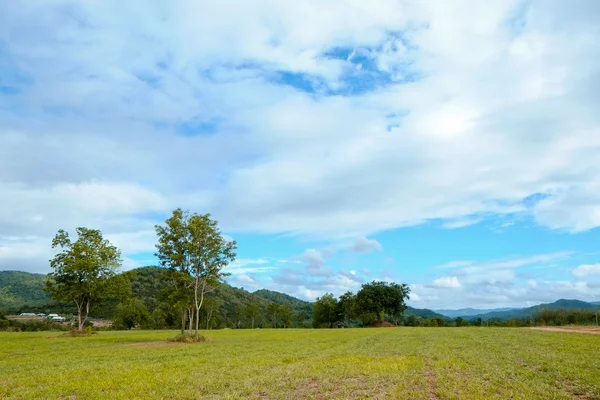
(186, 338)
(37, 326)
(87, 331)
(4, 324)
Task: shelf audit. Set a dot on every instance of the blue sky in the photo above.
(337, 143)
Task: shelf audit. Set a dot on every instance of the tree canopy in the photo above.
(84, 270)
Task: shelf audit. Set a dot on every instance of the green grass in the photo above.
(403, 363)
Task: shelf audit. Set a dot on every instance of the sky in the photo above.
(450, 145)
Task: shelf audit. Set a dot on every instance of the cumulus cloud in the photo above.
(448, 282)
(507, 282)
(381, 116)
(365, 245)
(587, 269)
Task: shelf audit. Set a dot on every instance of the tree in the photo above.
(131, 314)
(300, 317)
(346, 307)
(375, 299)
(83, 271)
(252, 313)
(158, 319)
(285, 316)
(211, 308)
(193, 245)
(394, 300)
(273, 312)
(325, 311)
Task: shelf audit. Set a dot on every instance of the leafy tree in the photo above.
(211, 309)
(394, 300)
(83, 271)
(299, 318)
(375, 299)
(346, 307)
(193, 245)
(131, 314)
(325, 311)
(158, 318)
(285, 316)
(252, 313)
(273, 310)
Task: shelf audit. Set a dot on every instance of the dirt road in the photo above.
(579, 329)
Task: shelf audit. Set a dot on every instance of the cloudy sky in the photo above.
(450, 145)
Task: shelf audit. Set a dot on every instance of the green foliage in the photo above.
(185, 338)
(376, 299)
(132, 314)
(561, 317)
(83, 270)
(36, 325)
(325, 311)
(286, 300)
(22, 288)
(192, 245)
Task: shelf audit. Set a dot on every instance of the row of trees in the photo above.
(375, 302)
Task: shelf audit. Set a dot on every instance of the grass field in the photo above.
(403, 363)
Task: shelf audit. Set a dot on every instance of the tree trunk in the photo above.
(252, 322)
(183, 315)
(208, 315)
(79, 316)
(191, 311)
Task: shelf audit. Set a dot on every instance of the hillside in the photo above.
(23, 291)
(529, 311)
(284, 299)
(19, 289)
(422, 312)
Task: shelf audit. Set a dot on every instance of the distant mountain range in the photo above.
(511, 313)
(469, 312)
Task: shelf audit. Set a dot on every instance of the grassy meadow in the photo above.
(401, 363)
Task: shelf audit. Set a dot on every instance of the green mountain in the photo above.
(524, 313)
(423, 313)
(286, 300)
(19, 289)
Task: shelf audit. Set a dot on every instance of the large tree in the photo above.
(376, 299)
(84, 271)
(252, 313)
(325, 311)
(193, 245)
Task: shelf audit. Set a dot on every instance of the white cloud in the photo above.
(447, 282)
(587, 269)
(365, 245)
(472, 113)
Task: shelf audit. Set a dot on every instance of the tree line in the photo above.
(192, 254)
(373, 304)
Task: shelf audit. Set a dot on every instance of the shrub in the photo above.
(87, 331)
(4, 324)
(186, 338)
(37, 326)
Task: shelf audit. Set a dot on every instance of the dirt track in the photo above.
(591, 330)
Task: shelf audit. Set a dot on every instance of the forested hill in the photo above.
(18, 289)
(284, 299)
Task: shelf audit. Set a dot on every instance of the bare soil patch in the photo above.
(383, 324)
(576, 329)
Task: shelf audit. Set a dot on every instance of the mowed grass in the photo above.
(402, 363)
